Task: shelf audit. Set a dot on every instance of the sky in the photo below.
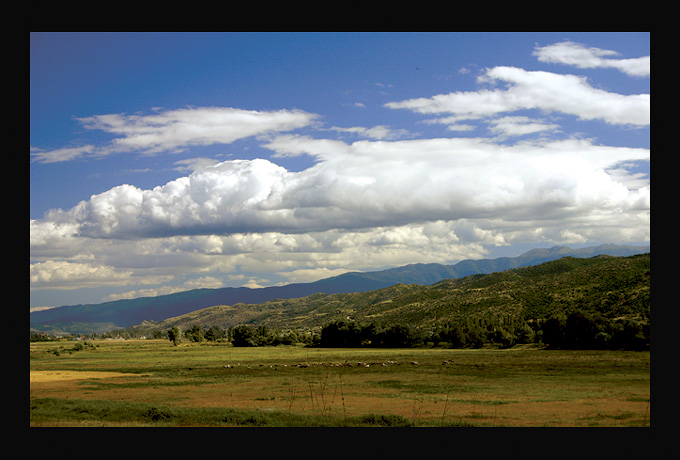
(163, 162)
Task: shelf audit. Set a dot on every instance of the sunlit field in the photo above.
(153, 383)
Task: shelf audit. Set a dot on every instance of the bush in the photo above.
(384, 420)
(157, 415)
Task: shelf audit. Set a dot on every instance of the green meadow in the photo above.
(153, 383)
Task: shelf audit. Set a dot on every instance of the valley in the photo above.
(326, 359)
(151, 383)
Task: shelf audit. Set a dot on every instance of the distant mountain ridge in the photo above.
(616, 288)
(84, 319)
(432, 273)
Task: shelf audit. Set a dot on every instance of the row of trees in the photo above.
(239, 336)
(576, 330)
(584, 330)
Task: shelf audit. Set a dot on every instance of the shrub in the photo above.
(384, 420)
(157, 415)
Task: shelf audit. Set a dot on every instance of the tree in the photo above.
(369, 334)
(341, 333)
(213, 334)
(175, 335)
(554, 331)
(454, 334)
(524, 333)
(194, 334)
(475, 335)
(630, 335)
(502, 336)
(157, 334)
(396, 336)
(244, 336)
(581, 329)
(263, 336)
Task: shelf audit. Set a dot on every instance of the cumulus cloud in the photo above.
(578, 55)
(363, 185)
(549, 92)
(230, 197)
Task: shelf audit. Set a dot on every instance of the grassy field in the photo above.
(153, 383)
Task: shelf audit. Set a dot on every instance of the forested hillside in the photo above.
(604, 293)
(85, 319)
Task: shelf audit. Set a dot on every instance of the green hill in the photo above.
(107, 316)
(612, 287)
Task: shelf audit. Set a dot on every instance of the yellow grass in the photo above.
(485, 387)
(60, 376)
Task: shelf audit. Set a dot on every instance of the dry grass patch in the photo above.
(481, 387)
(60, 376)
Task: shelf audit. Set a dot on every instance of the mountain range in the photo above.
(615, 288)
(107, 316)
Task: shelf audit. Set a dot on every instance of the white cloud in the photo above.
(519, 126)
(380, 132)
(176, 130)
(311, 274)
(550, 92)
(583, 57)
(361, 205)
(206, 282)
(193, 164)
(230, 197)
(363, 185)
(59, 155)
(73, 275)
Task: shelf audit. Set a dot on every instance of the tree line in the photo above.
(240, 336)
(578, 329)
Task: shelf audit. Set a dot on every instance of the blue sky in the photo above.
(165, 162)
